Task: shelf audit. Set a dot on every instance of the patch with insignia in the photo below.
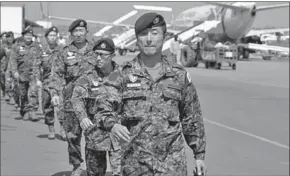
(132, 78)
(70, 55)
(53, 29)
(103, 45)
(44, 54)
(95, 83)
(156, 20)
(81, 23)
(188, 77)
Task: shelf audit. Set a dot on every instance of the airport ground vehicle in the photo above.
(220, 56)
(213, 56)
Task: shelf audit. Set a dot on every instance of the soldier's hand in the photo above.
(86, 123)
(200, 168)
(55, 100)
(16, 75)
(121, 132)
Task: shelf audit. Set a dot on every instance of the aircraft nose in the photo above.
(253, 13)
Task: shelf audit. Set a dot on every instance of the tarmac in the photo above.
(246, 117)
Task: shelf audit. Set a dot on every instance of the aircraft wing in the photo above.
(188, 33)
(266, 31)
(265, 47)
(91, 21)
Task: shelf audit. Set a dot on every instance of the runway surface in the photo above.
(246, 116)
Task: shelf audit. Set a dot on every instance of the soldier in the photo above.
(2, 57)
(23, 58)
(71, 63)
(158, 103)
(84, 96)
(43, 72)
(9, 81)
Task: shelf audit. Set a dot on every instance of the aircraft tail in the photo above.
(262, 8)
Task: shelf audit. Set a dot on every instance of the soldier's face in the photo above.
(150, 41)
(10, 39)
(52, 37)
(103, 58)
(3, 39)
(28, 37)
(79, 34)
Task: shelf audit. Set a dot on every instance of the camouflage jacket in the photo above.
(85, 95)
(5, 57)
(43, 66)
(24, 58)
(157, 113)
(69, 65)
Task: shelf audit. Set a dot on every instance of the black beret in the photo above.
(105, 44)
(10, 34)
(53, 28)
(4, 33)
(27, 31)
(77, 23)
(149, 20)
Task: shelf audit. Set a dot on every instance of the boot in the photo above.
(62, 134)
(34, 118)
(16, 106)
(77, 170)
(11, 101)
(51, 132)
(7, 98)
(26, 116)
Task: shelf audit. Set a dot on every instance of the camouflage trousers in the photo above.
(28, 97)
(96, 162)
(9, 84)
(2, 82)
(74, 134)
(16, 92)
(49, 110)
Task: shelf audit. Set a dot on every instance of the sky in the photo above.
(110, 11)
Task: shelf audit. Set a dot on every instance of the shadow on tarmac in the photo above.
(45, 136)
(68, 173)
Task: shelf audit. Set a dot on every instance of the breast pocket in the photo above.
(172, 92)
(172, 97)
(71, 66)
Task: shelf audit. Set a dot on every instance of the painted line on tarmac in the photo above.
(286, 163)
(248, 134)
(262, 84)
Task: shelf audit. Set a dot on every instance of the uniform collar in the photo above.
(138, 66)
(73, 48)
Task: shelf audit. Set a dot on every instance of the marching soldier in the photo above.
(9, 80)
(84, 96)
(72, 62)
(43, 72)
(158, 104)
(2, 58)
(23, 59)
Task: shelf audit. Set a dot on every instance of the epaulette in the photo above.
(174, 65)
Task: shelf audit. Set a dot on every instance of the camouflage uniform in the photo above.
(9, 79)
(23, 59)
(2, 69)
(67, 67)
(43, 72)
(157, 113)
(98, 141)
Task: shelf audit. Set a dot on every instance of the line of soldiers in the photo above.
(138, 112)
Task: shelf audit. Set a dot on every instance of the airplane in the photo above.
(231, 22)
(235, 22)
